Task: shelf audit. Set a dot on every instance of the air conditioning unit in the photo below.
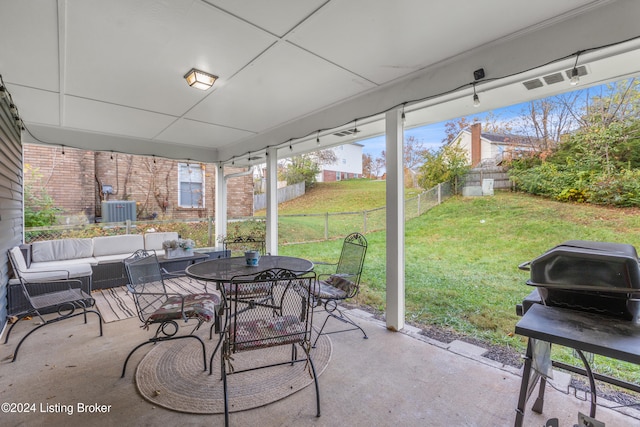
(118, 210)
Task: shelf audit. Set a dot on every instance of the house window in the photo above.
(191, 184)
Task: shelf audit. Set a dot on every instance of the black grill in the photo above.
(598, 277)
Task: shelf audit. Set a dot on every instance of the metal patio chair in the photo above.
(62, 296)
(156, 306)
(253, 324)
(238, 245)
(330, 289)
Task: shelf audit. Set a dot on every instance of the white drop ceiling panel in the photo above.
(203, 134)
(285, 83)
(136, 53)
(269, 14)
(395, 38)
(40, 105)
(102, 117)
(29, 43)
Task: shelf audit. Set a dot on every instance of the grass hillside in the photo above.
(462, 260)
(341, 196)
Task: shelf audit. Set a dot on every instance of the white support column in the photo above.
(395, 220)
(221, 203)
(272, 201)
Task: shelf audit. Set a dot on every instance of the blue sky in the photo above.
(432, 135)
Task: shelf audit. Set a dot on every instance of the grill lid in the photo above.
(591, 276)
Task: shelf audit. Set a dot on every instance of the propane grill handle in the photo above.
(525, 266)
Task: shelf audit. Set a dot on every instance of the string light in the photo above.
(318, 138)
(63, 150)
(403, 118)
(575, 78)
(476, 100)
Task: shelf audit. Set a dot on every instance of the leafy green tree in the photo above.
(600, 161)
(447, 164)
(305, 167)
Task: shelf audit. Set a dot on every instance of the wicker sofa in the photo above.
(96, 262)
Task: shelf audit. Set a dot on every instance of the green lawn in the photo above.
(342, 196)
(462, 261)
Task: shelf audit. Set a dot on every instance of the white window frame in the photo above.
(191, 167)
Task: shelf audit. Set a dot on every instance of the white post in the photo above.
(395, 220)
(272, 201)
(220, 204)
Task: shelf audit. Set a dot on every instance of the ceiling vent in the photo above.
(553, 78)
(346, 132)
(533, 84)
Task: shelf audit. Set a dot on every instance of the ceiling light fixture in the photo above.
(200, 79)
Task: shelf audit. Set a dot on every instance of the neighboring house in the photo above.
(79, 181)
(492, 149)
(348, 164)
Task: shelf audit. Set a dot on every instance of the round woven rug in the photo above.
(171, 375)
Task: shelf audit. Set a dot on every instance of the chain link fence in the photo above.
(291, 228)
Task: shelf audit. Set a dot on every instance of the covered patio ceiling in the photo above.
(109, 75)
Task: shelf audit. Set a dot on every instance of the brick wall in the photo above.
(75, 179)
(68, 178)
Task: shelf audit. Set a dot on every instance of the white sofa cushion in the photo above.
(55, 271)
(116, 245)
(61, 249)
(154, 240)
(108, 259)
(18, 259)
(63, 263)
(74, 271)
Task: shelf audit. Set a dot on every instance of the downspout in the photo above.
(221, 199)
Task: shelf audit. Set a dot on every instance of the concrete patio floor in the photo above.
(391, 379)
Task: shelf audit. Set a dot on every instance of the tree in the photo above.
(305, 167)
(453, 128)
(413, 152)
(367, 164)
(599, 161)
(378, 165)
(447, 164)
(545, 121)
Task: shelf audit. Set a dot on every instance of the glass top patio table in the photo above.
(224, 269)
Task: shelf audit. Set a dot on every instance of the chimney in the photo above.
(476, 150)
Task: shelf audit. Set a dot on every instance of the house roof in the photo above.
(509, 139)
(108, 75)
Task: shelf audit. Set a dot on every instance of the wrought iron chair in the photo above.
(238, 245)
(157, 306)
(254, 323)
(62, 296)
(330, 289)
